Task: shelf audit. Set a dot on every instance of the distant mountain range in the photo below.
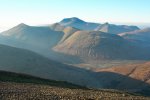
(70, 37)
(106, 27)
(78, 23)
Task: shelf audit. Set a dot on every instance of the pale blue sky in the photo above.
(34, 12)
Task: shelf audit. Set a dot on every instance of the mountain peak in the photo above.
(22, 25)
(72, 19)
(76, 19)
(106, 23)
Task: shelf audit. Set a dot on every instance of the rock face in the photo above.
(115, 29)
(99, 45)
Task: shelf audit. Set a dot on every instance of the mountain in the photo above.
(68, 31)
(68, 44)
(106, 27)
(57, 27)
(115, 29)
(138, 36)
(27, 62)
(41, 37)
(98, 45)
(78, 23)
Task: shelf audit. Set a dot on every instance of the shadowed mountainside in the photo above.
(27, 62)
(24, 78)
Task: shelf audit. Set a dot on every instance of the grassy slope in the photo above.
(23, 78)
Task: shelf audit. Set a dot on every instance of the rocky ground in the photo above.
(28, 91)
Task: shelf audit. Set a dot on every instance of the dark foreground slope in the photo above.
(6, 76)
(24, 87)
(13, 91)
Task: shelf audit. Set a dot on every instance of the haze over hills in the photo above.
(39, 39)
(42, 37)
(63, 39)
(27, 62)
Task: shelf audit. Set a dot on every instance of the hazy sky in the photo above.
(34, 12)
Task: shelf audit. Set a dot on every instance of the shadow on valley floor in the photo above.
(111, 80)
